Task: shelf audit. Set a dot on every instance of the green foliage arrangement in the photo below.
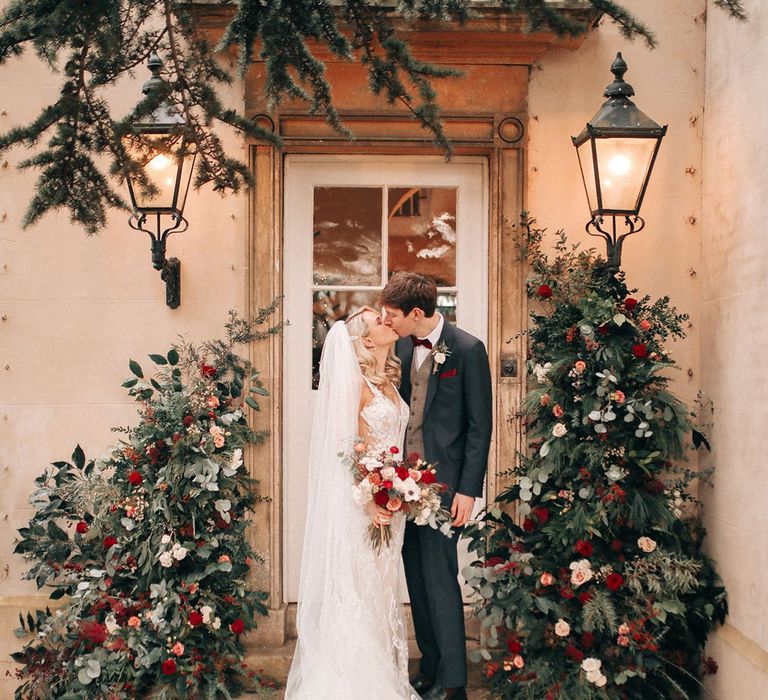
(92, 45)
(148, 546)
(602, 591)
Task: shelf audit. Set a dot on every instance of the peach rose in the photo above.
(375, 478)
(618, 396)
(623, 628)
(544, 400)
(177, 649)
(518, 661)
(646, 544)
(547, 579)
(562, 628)
(394, 504)
(218, 440)
(580, 366)
(557, 411)
(623, 641)
(645, 324)
(415, 474)
(224, 558)
(213, 402)
(134, 622)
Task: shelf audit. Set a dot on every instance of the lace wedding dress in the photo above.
(351, 631)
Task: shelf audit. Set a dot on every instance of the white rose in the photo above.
(166, 559)
(165, 539)
(562, 628)
(216, 623)
(591, 664)
(541, 371)
(592, 676)
(615, 473)
(206, 611)
(111, 624)
(179, 552)
(439, 358)
(559, 430)
(388, 474)
(369, 463)
(646, 544)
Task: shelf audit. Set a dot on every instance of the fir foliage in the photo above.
(92, 45)
(147, 546)
(599, 586)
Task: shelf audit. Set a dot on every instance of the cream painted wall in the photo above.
(734, 341)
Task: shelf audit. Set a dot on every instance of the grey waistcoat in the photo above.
(414, 439)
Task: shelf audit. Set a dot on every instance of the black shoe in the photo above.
(421, 683)
(438, 693)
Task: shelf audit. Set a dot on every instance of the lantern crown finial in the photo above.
(155, 65)
(619, 87)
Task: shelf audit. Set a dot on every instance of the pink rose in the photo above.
(623, 629)
(224, 558)
(218, 441)
(544, 400)
(618, 396)
(518, 661)
(547, 579)
(623, 641)
(557, 411)
(177, 649)
(645, 324)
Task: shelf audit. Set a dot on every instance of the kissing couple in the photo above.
(403, 378)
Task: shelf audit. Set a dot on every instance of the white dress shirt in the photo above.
(420, 352)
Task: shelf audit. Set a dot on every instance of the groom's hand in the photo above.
(461, 510)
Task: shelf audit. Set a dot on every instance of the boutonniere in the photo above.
(440, 353)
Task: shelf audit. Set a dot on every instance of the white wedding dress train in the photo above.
(352, 639)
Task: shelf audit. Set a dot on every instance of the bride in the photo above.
(351, 631)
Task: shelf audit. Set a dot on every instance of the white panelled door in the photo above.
(349, 223)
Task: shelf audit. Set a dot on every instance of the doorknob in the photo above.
(508, 366)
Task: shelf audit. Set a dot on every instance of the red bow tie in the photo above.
(426, 342)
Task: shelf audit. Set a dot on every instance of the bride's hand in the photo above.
(379, 515)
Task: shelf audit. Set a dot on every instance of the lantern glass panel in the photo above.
(587, 165)
(623, 165)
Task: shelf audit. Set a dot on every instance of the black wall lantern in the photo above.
(167, 160)
(617, 151)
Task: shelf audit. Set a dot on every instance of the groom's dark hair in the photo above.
(410, 290)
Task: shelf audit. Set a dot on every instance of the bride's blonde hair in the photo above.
(358, 329)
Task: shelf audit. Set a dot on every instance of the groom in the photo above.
(447, 383)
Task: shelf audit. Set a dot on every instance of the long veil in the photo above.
(331, 612)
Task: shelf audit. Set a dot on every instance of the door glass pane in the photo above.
(327, 308)
(422, 232)
(347, 236)
(446, 305)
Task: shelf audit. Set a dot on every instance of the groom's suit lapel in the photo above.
(434, 379)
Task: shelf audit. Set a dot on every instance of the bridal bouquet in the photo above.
(407, 485)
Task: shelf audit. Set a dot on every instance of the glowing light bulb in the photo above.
(160, 162)
(619, 165)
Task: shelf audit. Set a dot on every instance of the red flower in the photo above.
(402, 473)
(387, 484)
(188, 421)
(93, 631)
(574, 654)
(237, 627)
(135, 478)
(603, 330)
(381, 498)
(195, 618)
(585, 597)
(428, 477)
(545, 291)
(109, 542)
(514, 646)
(176, 437)
(630, 304)
(528, 525)
(616, 545)
(640, 350)
(207, 370)
(493, 561)
(542, 514)
(614, 581)
(566, 593)
(587, 640)
(82, 527)
(394, 450)
(169, 667)
(492, 668)
(584, 548)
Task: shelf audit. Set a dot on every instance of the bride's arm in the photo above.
(379, 515)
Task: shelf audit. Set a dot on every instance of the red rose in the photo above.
(566, 593)
(82, 527)
(585, 597)
(195, 618)
(428, 477)
(381, 498)
(545, 291)
(188, 421)
(169, 667)
(402, 473)
(614, 581)
(237, 627)
(394, 450)
(387, 484)
(493, 561)
(630, 304)
(528, 525)
(176, 437)
(207, 370)
(616, 545)
(109, 542)
(514, 646)
(584, 548)
(576, 655)
(587, 640)
(640, 350)
(603, 330)
(135, 478)
(542, 514)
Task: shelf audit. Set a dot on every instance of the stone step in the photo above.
(276, 662)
